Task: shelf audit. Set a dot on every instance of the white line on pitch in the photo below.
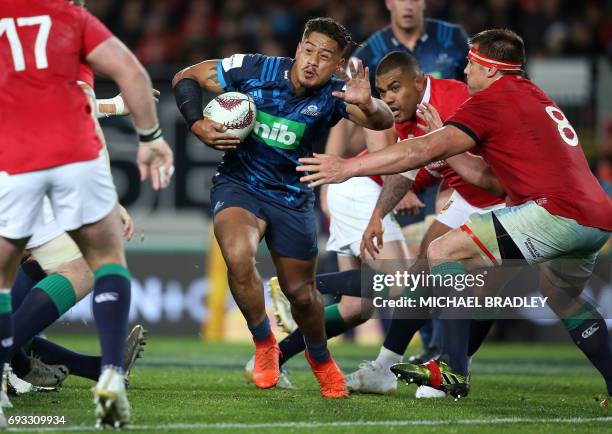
(339, 424)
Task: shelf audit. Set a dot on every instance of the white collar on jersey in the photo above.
(427, 94)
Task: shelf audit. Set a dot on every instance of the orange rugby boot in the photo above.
(330, 378)
(266, 370)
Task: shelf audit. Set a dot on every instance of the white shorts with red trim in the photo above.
(565, 249)
(351, 205)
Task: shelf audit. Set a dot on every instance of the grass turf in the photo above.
(184, 385)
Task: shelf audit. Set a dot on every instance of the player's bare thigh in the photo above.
(238, 232)
(455, 246)
(435, 230)
(102, 242)
(10, 255)
(61, 255)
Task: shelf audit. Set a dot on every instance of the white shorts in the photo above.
(457, 211)
(351, 205)
(79, 193)
(46, 227)
(565, 249)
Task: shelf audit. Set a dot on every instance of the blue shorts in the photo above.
(289, 233)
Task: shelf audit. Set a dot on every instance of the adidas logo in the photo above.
(592, 329)
(106, 296)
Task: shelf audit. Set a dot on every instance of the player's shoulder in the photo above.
(335, 83)
(267, 66)
(51, 7)
(448, 84)
(376, 46)
(442, 26)
(445, 32)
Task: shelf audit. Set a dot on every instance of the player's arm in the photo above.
(476, 171)
(113, 59)
(205, 73)
(188, 85)
(394, 189)
(361, 107)
(116, 106)
(377, 140)
(400, 157)
(375, 115)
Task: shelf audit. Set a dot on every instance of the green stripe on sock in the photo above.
(446, 268)
(60, 291)
(586, 312)
(334, 323)
(112, 269)
(5, 303)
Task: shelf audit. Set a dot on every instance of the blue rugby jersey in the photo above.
(287, 125)
(441, 51)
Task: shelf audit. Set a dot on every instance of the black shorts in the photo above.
(290, 233)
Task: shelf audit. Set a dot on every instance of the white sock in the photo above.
(386, 358)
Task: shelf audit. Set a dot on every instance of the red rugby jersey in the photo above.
(45, 119)
(534, 151)
(446, 96)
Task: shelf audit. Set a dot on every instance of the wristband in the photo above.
(116, 101)
(148, 136)
(188, 95)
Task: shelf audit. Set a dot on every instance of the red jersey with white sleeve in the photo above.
(534, 151)
(446, 96)
(45, 120)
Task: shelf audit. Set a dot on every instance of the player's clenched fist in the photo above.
(213, 134)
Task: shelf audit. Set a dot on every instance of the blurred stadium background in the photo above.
(179, 284)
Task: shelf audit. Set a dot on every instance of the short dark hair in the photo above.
(398, 59)
(330, 28)
(501, 44)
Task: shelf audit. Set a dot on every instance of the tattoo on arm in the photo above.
(213, 79)
(394, 189)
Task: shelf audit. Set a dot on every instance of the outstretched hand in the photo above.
(357, 90)
(430, 116)
(324, 169)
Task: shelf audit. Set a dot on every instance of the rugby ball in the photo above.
(235, 110)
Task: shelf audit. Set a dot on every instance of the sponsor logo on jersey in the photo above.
(278, 132)
(311, 110)
(592, 329)
(106, 296)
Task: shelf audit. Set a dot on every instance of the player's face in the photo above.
(401, 91)
(317, 58)
(406, 14)
(478, 77)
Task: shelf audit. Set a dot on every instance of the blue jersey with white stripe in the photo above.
(441, 51)
(287, 125)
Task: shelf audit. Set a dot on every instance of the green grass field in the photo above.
(184, 385)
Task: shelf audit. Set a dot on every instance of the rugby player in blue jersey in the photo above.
(257, 193)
